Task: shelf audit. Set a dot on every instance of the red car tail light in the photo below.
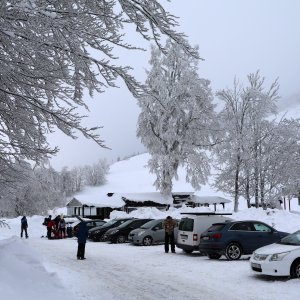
(195, 237)
(216, 236)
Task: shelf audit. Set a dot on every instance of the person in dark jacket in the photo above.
(169, 225)
(24, 226)
(62, 228)
(82, 234)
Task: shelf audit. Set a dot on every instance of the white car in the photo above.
(279, 259)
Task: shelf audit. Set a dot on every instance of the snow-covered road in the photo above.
(124, 271)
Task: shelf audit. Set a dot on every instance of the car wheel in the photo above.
(214, 256)
(188, 251)
(233, 251)
(295, 269)
(147, 241)
(102, 238)
(121, 239)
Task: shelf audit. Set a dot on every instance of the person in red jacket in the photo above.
(50, 227)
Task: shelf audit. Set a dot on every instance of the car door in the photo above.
(243, 233)
(265, 234)
(158, 234)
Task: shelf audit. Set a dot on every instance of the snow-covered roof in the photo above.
(117, 199)
(209, 199)
(142, 197)
(92, 198)
(131, 177)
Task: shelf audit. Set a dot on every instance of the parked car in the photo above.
(192, 225)
(97, 233)
(120, 234)
(89, 224)
(234, 239)
(150, 233)
(279, 259)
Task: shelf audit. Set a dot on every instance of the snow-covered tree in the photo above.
(177, 118)
(50, 51)
(280, 162)
(95, 175)
(245, 110)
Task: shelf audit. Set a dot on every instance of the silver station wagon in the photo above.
(150, 233)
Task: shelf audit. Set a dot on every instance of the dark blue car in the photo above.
(237, 238)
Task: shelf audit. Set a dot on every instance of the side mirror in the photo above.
(155, 228)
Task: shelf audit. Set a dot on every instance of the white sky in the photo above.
(235, 38)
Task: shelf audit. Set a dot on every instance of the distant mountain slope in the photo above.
(132, 176)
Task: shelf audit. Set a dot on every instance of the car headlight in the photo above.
(141, 232)
(96, 231)
(278, 256)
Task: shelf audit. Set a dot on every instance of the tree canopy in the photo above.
(177, 118)
(51, 51)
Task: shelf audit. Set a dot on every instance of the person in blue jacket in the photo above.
(24, 226)
(82, 234)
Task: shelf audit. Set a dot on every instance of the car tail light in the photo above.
(195, 237)
(216, 236)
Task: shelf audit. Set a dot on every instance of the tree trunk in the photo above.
(236, 186)
(247, 191)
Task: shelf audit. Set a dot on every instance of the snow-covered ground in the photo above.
(38, 268)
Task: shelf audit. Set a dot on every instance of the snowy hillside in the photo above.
(132, 176)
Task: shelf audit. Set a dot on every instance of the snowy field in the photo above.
(38, 268)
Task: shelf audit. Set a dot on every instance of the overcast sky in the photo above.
(235, 38)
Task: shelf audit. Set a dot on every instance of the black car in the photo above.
(96, 234)
(234, 239)
(120, 234)
(90, 224)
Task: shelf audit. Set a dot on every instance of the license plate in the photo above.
(205, 238)
(184, 237)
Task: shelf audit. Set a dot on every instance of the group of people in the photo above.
(168, 224)
(56, 228)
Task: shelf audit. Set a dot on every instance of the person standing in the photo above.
(82, 234)
(50, 227)
(24, 226)
(56, 221)
(169, 225)
(62, 227)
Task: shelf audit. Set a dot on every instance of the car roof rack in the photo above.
(205, 213)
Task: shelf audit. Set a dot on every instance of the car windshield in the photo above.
(125, 224)
(292, 239)
(109, 223)
(150, 224)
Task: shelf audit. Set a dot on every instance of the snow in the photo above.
(38, 268)
(131, 177)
